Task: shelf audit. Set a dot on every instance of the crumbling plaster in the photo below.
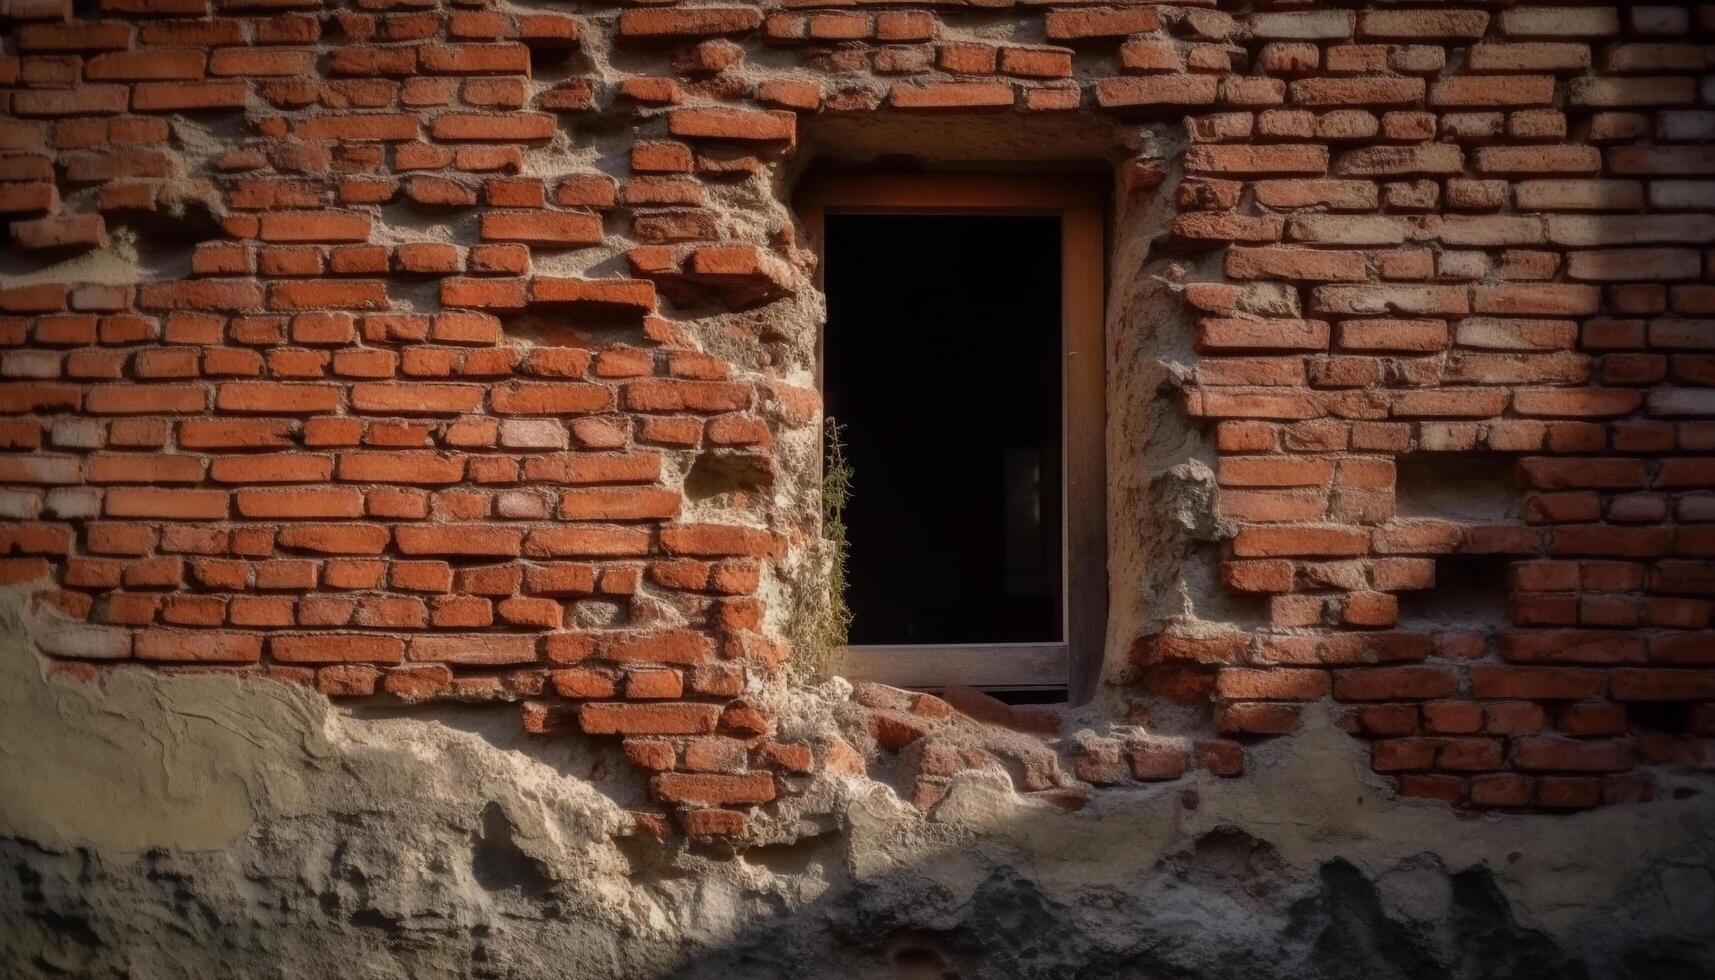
(189, 825)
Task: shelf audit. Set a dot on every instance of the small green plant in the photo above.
(834, 622)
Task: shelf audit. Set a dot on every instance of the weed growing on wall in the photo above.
(834, 616)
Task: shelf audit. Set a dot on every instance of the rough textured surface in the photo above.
(433, 355)
(194, 826)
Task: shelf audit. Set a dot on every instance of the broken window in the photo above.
(962, 359)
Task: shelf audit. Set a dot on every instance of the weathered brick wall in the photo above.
(401, 326)
(1473, 233)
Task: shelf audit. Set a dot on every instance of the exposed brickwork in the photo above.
(339, 450)
(1494, 257)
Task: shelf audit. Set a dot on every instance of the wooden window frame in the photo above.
(1075, 662)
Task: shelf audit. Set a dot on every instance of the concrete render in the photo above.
(161, 825)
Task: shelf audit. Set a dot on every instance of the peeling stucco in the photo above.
(186, 825)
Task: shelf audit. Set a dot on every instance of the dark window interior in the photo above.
(942, 364)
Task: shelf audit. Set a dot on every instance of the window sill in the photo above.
(983, 665)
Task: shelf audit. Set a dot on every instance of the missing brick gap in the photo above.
(559, 62)
(1470, 591)
(1206, 599)
(796, 856)
(1054, 696)
(138, 244)
(1660, 717)
(730, 475)
(1467, 488)
(179, 226)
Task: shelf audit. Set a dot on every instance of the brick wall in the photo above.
(371, 346)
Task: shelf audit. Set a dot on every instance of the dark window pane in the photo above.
(942, 362)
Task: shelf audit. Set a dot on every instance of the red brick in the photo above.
(89, 36)
(1273, 471)
(459, 539)
(648, 719)
(562, 229)
(1529, 56)
(325, 648)
(733, 124)
(1394, 683)
(1100, 22)
(1544, 683)
(596, 294)
(681, 647)
(1662, 684)
(1221, 757)
(1157, 759)
(335, 539)
(618, 505)
(1571, 647)
(1247, 718)
(1036, 62)
(474, 59)
(1555, 753)
(268, 397)
(1417, 25)
(321, 502)
(1592, 718)
(84, 100)
(713, 789)
(716, 540)
(1155, 90)
(950, 95)
(677, 396)
(484, 649)
(1500, 789)
(511, 128)
(400, 467)
(688, 22)
(1370, 91)
(169, 504)
(188, 96)
(197, 646)
(1263, 542)
(1246, 684)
